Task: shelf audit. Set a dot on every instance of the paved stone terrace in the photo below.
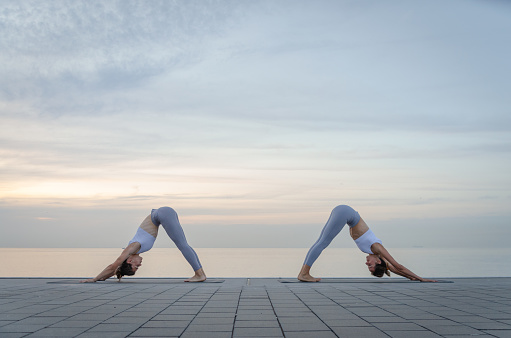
(265, 307)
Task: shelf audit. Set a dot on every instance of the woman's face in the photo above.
(135, 261)
(371, 262)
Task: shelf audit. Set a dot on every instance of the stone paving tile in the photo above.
(210, 320)
(256, 323)
(434, 322)
(58, 332)
(157, 332)
(257, 332)
(292, 313)
(77, 323)
(12, 316)
(414, 334)
(196, 334)
(13, 335)
(40, 320)
(120, 334)
(123, 319)
(171, 317)
(321, 334)
(393, 319)
(215, 315)
(162, 324)
(498, 316)
(5, 322)
(334, 317)
(255, 312)
(346, 322)
(290, 327)
(256, 317)
(114, 327)
(17, 328)
(265, 308)
(398, 327)
(91, 316)
(210, 328)
(62, 312)
(359, 332)
(295, 320)
(494, 325)
(218, 309)
(419, 315)
(454, 330)
(499, 333)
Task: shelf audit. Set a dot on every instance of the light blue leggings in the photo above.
(341, 215)
(167, 217)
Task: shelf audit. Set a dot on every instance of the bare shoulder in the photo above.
(379, 249)
(132, 248)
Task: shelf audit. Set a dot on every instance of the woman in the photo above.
(129, 261)
(379, 260)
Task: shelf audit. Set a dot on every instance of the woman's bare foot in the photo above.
(199, 276)
(305, 275)
(307, 278)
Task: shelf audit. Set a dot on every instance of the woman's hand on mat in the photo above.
(428, 280)
(88, 281)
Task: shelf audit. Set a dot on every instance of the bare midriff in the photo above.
(359, 229)
(148, 226)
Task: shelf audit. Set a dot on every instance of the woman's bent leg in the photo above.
(170, 222)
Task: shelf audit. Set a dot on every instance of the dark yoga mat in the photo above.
(136, 281)
(359, 280)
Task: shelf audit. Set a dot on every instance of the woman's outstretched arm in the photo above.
(109, 271)
(394, 266)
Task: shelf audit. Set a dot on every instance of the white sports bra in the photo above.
(145, 239)
(365, 241)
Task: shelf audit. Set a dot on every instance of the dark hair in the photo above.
(125, 269)
(381, 269)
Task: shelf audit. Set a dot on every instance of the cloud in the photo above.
(267, 111)
(51, 50)
(340, 62)
(332, 67)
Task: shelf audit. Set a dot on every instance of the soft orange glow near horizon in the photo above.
(254, 119)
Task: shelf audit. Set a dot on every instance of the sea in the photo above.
(253, 262)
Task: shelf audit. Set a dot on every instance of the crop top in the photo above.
(365, 241)
(145, 239)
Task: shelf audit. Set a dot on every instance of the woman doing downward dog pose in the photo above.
(379, 260)
(129, 261)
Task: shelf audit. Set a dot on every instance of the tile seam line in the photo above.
(315, 312)
(275, 313)
(57, 288)
(173, 287)
(195, 316)
(357, 297)
(236, 313)
(414, 297)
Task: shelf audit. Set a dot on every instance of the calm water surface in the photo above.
(334, 262)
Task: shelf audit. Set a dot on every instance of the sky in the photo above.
(253, 119)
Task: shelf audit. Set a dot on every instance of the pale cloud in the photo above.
(254, 113)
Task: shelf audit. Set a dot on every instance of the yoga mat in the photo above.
(359, 280)
(137, 281)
